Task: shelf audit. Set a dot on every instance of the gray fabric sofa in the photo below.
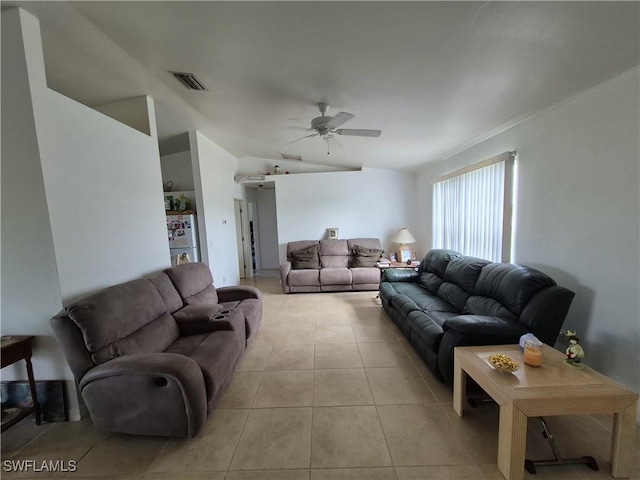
(152, 356)
(335, 273)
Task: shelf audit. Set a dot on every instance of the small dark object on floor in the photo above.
(530, 465)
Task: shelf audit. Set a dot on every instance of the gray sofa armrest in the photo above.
(237, 292)
(164, 392)
(197, 319)
(285, 268)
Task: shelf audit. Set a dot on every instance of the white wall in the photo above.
(104, 190)
(578, 213)
(213, 172)
(30, 286)
(177, 168)
(367, 203)
(132, 112)
(82, 200)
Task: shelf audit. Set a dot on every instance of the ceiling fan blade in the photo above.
(339, 119)
(306, 136)
(297, 128)
(358, 133)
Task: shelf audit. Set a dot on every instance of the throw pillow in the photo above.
(305, 259)
(365, 257)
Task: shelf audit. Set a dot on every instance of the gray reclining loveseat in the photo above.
(153, 356)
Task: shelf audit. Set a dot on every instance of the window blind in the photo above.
(472, 209)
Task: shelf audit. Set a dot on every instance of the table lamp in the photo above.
(403, 236)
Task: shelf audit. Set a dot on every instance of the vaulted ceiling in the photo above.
(435, 77)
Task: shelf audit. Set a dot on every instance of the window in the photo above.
(472, 209)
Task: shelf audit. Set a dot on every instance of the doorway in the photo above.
(245, 239)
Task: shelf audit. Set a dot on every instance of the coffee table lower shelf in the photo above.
(553, 389)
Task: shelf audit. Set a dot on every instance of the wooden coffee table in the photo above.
(553, 389)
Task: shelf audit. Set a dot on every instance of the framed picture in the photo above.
(332, 233)
(405, 254)
(393, 257)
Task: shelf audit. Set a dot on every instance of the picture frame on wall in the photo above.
(332, 233)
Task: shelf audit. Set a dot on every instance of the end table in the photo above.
(14, 349)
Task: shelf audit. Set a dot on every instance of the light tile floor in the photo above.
(329, 389)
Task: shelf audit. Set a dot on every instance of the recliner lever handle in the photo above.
(162, 381)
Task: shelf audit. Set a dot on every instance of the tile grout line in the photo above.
(235, 448)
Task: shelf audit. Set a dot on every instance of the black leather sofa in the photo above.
(452, 301)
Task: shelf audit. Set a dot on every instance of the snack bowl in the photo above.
(503, 363)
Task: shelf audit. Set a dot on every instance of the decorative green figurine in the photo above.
(574, 351)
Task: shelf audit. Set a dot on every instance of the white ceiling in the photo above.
(435, 77)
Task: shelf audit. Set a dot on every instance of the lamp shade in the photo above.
(403, 236)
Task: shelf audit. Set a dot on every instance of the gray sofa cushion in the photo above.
(124, 319)
(305, 258)
(363, 242)
(304, 278)
(335, 276)
(216, 356)
(365, 275)
(334, 253)
(194, 283)
(167, 291)
(364, 257)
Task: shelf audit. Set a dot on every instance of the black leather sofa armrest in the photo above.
(238, 292)
(472, 330)
(400, 275)
(546, 311)
(484, 325)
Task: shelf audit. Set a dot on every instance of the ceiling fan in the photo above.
(326, 127)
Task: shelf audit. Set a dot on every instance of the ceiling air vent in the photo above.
(189, 80)
(286, 156)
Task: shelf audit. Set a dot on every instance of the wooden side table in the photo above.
(14, 349)
(552, 389)
(400, 265)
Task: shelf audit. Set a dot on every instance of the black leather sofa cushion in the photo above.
(404, 304)
(436, 261)
(511, 285)
(405, 288)
(486, 306)
(430, 282)
(453, 294)
(428, 303)
(424, 331)
(464, 272)
(484, 325)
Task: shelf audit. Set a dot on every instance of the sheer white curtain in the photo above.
(469, 211)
